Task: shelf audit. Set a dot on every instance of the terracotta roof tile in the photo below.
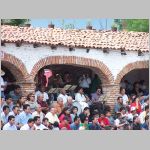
(132, 41)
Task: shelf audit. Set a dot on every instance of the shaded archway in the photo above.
(132, 66)
(101, 68)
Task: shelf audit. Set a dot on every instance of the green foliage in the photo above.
(15, 22)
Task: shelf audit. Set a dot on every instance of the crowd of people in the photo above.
(85, 110)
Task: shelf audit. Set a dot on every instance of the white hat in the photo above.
(2, 73)
(133, 108)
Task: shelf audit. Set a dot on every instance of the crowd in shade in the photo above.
(85, 109)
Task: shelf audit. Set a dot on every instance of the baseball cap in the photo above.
(133, 108)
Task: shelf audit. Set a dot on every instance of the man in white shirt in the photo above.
(132, 114)
(144, 114)
(42, 91)
(29, 125)
(11, 124)
(37, 124)
(63, 95)
(52, 116)
(124, 97)
(38, 112)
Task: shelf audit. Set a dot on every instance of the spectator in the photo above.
(4, 115)
(11, 124)
(146, 103)
(103, 121)
(37, 124)
(56, 126)
(95, 124)
(65, 124)
(25, 115)
(119, 104)
(59, 105)
(110, 118)
(124, 96)
(80, 97)
(84, 123)
(132, 114)
(65, 113)
(3, 85)
(31, 101)
(69, 102)
(15, 113)
(20, 103)
(85, 113)
(45, 122)
(52, 116)
(43, 104)
(76, 124)
(145, 125)
(63, 95)
(74, 112)
(8, 101)
(16, 94)
(136, 123)
(29, 125)
(43, 93)
(143, 115)
(38, 112)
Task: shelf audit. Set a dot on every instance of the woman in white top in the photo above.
(81, 98)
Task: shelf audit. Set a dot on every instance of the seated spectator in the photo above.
(31, 101)
(45, 122)
(11, 124)
(20, 103)
(43, 104)
(85, 113)
(16, 94)
(136, 123)
(52, 116)
(25, 115)
(136, 89)
(124, 96)
(146, 103)
(110, 118)
(131, 114)
(74, 112)
(63, 95)
(76, 124)
(135, 103)
(103, 121)
(38, 112)
(56, 126)
(119, 104)
(29, 125)
(143, 115)
(37, 124)
(84, 123)
(65, 113)
(59, 105)
(95, 124)
(65, 124)
(43, 93)
(69, 102)
(145, 125)
(4, 115)
(8, 101)
(81, 98)
(15, 113)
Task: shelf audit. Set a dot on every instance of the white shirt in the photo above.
(4, 118)
(41, 115)
(117, 122)
(16, 116)
(2, 83)
(125, 99)
(52, 118)
(9, 127)
(25, 127)
(85, 83)
(64, 97)
(80, 98)
(40, 127)
(142, 117)
(45, 95)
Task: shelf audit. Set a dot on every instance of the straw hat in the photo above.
(2, 73)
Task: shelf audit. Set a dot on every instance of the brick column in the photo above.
(112, 92)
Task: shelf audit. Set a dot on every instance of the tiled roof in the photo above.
(132, 41)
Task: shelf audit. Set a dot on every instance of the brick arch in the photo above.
(130, 67)
(105, 73)
(15, 66)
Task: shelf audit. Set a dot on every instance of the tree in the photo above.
(15, 22)
(139, 25)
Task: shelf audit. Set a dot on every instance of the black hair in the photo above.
(134, 118)
(74, 107)
(36, 118)
(121, 89)
(95, 116)
(7, 97)
(5, 107)
(17, 87)
(78, 89)
(121, 109)
(119, 97)
(147, 107)
(76, 118)
(56, 124)
(64, 110)
(83, 119)
(30, 120)
(86, 108)
(44, 119)
(14, 107)
(10, 117)
(25, 106)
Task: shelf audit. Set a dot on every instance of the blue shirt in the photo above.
(9, 127)
(14, 96)
(73, 126)
(16, 117)
(4, 118)
(23, 118)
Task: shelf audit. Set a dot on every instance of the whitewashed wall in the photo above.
(114, 60)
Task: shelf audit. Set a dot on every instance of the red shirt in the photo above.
(61, 118)
(139, 110)
(105, 121)
(61, 125)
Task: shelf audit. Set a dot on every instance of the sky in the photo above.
(78, 23)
